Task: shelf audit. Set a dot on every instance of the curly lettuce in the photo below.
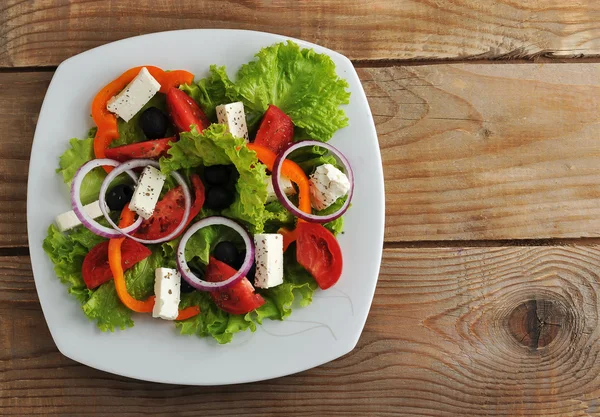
(211, 91)
(215, 146)
(301, 82)
(298, 283)
(79, 152)
(212, 321)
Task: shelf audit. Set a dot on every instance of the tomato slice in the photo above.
(276, 130)
(240, 298)
(95, 269)
(150, 149)
(319, 252)
(169, 211)
(184, 111)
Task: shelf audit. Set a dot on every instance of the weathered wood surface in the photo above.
(489, 151)
(500, 331)
(469, 151)
(45, 32)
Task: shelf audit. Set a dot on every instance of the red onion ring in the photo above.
(83, 217)
(200, 284)
(309, 217)
(138, 163)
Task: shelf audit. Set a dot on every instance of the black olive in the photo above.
(185, 287)
(118, 196)
(217, 174)
(251, 272)
(218, 198)
(154, 123)
(226, 252)
(240, 261)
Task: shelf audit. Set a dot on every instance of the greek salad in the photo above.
(213, 203)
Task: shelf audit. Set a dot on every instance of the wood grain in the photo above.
(46, 32)
(469, 151)
(488, 151)
(440, 341)
(20, 102)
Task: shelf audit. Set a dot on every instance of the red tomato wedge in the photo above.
(150, 149)
(240, 298)
(184, 111)
(169, 211)
(276, 130)
(319, 252)
(95, 269)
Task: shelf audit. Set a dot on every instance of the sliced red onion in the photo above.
(200, 284)
(309, 217)
(83, 217)
(138, 163)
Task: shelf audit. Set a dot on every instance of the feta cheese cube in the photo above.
(286, 184)
(147, 191)
(327, 184)
(167, 288)
(233, 116)
(133, 97)
(69, 220)
(269, 260)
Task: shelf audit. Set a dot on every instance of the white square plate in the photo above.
(152, 350)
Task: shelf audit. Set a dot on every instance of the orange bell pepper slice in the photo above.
(188, 313)
(289, 237)
(107, 121)
(114, 261)
(289, 169)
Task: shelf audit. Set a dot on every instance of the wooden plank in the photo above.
(488, 151)
(470, 151)
(457, 331)
(20, 102)
(46, 32)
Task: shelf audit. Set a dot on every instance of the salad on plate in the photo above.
(213, 203)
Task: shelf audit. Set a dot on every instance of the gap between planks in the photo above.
(24, 251)
(378, 63)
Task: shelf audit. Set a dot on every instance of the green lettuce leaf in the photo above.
(210, 92)
(212, 321)
(311, 157)
(278, 215)
(80, 152)
(297, 281)
(67, 253)
(215, 146)
(140, 278)
(300, 82)
(105, 308)
(336, 226)
(202, 243)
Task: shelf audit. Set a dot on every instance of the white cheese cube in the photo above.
(286, 184)
(269, 260)
(327, 184)
(133, 97)
(69, 220)
(167, 288)
(147, 192)
(233, 116)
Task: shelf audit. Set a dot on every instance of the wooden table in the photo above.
(488, 118)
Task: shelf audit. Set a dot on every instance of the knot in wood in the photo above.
(537, 323)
